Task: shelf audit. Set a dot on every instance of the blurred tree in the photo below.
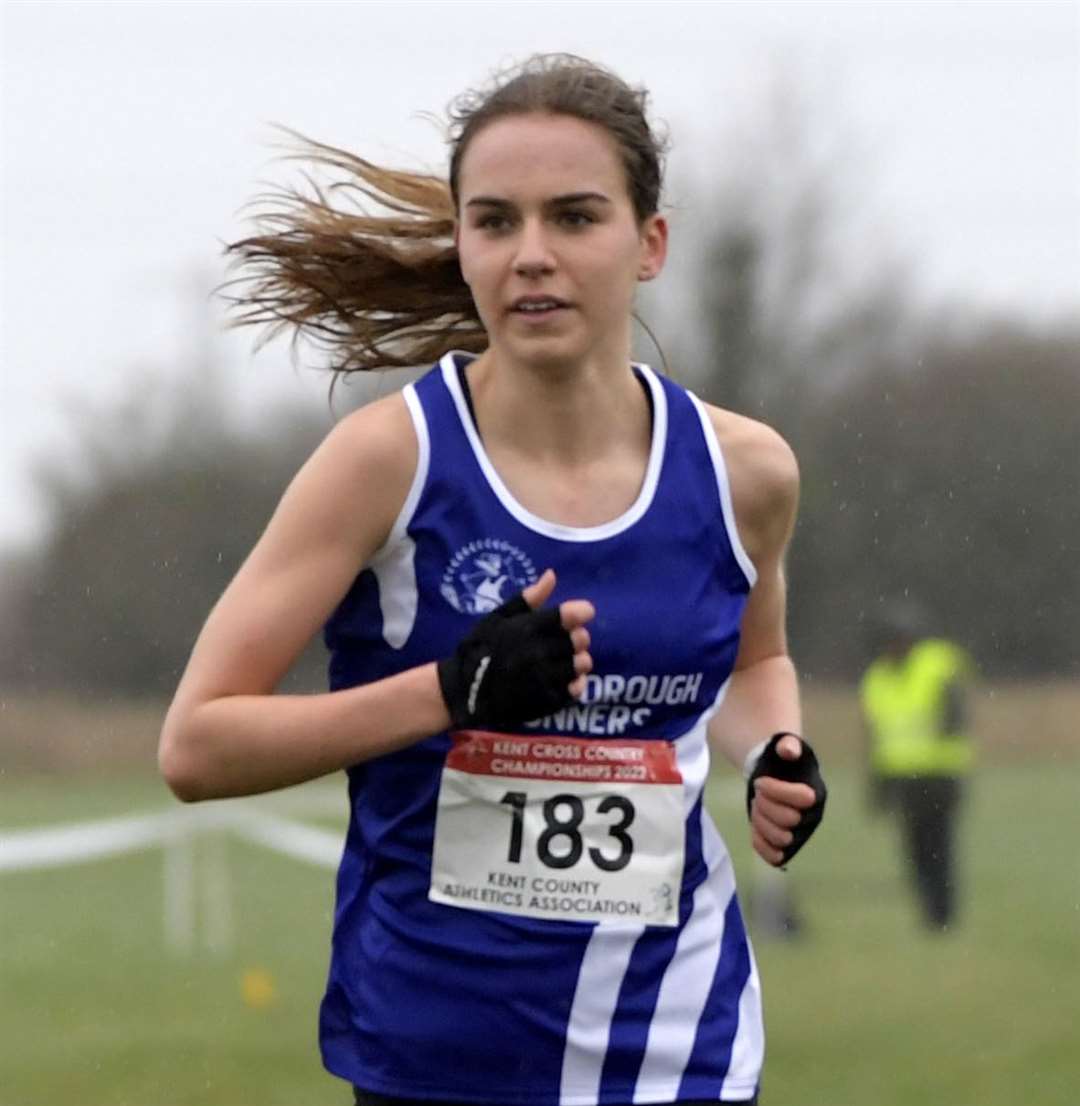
(952, 478)
(161, 504)
(793, 288)
(934, 462)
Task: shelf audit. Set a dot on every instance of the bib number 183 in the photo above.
(560, 843)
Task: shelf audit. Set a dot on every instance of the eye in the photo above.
(575, 219)
(493, 221)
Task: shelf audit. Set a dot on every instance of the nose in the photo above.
(533, 256)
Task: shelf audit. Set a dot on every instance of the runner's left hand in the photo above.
(785, 812)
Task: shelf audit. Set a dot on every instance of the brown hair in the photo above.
(384, 290)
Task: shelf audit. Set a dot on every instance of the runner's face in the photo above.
(548, 238)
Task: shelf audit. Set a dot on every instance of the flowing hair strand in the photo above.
(363, 267)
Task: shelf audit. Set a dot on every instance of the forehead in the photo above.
(541, 153)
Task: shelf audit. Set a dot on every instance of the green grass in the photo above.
(869, 1009)
(864, 1010)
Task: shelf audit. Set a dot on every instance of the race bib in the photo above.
(565, 828)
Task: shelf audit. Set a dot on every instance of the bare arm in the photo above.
(763, 695)
(226, 733)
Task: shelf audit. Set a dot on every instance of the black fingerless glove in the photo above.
(513, 666)
(804, 770)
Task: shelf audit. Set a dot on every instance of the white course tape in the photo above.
(294, 839)
(196, 878)
(83, 842)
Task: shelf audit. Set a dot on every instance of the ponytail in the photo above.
(371, 291)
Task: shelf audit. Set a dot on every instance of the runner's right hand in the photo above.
(520, 662)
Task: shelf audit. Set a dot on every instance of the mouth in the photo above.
(537, 307)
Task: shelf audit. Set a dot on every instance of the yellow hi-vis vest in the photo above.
(904, 703)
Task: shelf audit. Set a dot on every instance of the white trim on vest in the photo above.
(540, 525)
(394, 563)
(687, 981)
(724, 485)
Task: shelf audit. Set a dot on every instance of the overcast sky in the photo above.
(132, 133)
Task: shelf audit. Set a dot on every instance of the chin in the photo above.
(546, 352)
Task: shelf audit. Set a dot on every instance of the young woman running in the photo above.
(546, 576)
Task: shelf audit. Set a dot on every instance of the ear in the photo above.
(654, 243)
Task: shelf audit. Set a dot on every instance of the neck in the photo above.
(565, 413)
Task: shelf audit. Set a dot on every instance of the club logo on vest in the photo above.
(484, 574)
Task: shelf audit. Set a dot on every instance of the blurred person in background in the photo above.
(539, 566)
(916, 717)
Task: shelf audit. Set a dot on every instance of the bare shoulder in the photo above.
(379, 433)
(352, 487)
(764, 477)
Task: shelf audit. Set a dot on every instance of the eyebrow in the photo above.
(556, 201)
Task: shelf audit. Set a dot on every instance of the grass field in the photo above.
(864, 1010)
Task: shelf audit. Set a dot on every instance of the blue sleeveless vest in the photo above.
(428, 1000)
